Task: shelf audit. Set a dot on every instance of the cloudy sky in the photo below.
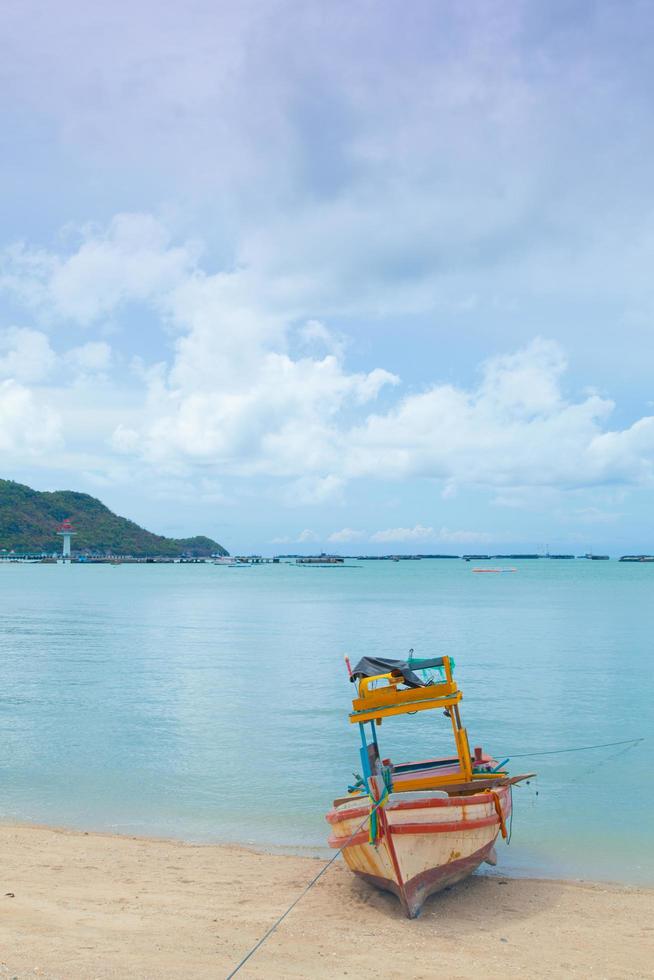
(370, 276)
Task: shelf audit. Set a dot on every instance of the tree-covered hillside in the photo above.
(29, 519)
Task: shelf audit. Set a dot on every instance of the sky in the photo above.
(360, 277)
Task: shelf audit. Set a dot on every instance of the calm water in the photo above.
(211, 703)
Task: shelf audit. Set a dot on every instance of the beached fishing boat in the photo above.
(415, 828)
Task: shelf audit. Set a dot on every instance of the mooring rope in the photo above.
(603, 762)
(578, 748)
(521, 755)
(301, 895)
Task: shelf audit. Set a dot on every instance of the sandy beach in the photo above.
(78, 905)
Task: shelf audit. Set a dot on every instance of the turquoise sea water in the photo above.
(210, 703)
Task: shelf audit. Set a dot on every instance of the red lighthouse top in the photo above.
(66, 527)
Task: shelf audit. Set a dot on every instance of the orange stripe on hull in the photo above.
(337, 815)
(442, 827)
(361, 838)
(445, 827)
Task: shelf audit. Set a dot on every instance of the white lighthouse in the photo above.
(66, 531)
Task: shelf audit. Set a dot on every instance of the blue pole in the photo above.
(365, 762)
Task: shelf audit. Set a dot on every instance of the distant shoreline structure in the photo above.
(48, 558)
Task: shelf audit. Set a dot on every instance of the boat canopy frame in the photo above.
(376, 701)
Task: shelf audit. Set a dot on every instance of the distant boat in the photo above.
(512, 557)
(417, 827)
(592, 557)
(638, 558)
(495, 570)
(245, 561)
(320, 560)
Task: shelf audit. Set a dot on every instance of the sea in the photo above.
(210, 703)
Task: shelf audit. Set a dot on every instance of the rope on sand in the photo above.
(301, 895)
(522, 755)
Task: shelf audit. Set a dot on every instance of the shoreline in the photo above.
(314, 852)
(81, 904)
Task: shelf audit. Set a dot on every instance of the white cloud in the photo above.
(421, 533)
(124, 440)
(314, 490)
(197, 491)
(27, 428)
(417, 533)
(131, 260)
(344, 535)
(314, 333)
(516, 499)
(307, 535)
(26, 355)
(514, 429)
(234, 398)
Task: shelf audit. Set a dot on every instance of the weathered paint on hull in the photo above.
(414, 893)
(423, 845)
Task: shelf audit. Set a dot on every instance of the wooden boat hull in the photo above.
(426, 842)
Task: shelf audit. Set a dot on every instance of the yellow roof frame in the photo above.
(376, 703)
(379, 702)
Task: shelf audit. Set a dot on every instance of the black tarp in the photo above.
(371, 666)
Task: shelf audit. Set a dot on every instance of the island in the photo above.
(29, 520)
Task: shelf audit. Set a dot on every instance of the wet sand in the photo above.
(78, 905)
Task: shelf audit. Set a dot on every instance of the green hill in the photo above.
(29, 519)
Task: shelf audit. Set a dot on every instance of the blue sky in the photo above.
(370, 277)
